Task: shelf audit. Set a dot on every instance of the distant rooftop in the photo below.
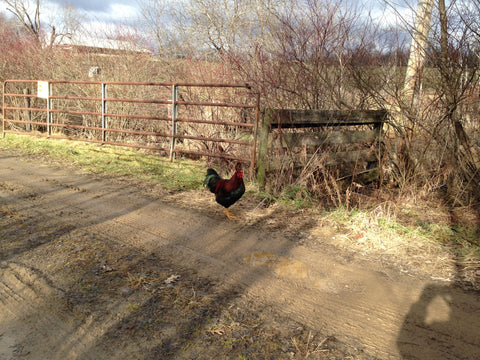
(101, 45)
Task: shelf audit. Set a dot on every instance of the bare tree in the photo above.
(439, 129)
(27, 17)
(302, 61)
(68, 21)
(158, 21)
(209, 27)
(61, 25)
(456, 81)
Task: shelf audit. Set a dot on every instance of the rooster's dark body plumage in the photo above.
(227, 192)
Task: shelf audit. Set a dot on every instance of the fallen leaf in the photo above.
(216, 332)
(172, 279)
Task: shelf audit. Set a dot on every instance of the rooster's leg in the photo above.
(229, 214)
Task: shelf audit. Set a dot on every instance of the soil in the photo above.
(98, 268)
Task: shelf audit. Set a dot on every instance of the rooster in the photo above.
(227, 192)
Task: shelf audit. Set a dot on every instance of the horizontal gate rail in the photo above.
(148, 120)
(216, 123)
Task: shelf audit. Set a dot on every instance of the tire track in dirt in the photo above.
(30, 313)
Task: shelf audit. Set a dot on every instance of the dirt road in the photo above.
(92, 268)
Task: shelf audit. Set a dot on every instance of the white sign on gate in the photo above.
(43, 89)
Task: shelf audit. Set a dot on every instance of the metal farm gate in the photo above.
(213, 120)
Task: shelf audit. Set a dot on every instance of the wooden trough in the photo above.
(350, 137)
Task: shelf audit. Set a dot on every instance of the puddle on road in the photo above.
(292, 269)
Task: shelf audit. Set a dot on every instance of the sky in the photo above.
(107, 16)
(106, 11)
(96, 11)
(127, 10)
(99, 6)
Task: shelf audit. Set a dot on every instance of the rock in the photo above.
(125, 291)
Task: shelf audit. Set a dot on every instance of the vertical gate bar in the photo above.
(104, 111)
(174, 124)
(27, 113)
(49, 107)
(3, 109)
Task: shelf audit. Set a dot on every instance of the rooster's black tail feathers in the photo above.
(211, 180)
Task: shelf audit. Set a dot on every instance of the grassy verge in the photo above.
(109, 160)
(426, 232)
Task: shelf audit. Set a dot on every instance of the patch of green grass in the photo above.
(296, 196)
(111, 160)
(230, 342)
(386, 231)
(133, 307)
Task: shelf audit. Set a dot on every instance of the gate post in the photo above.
(264, 136)
(104, 111)
(28, 118)
(3, 109)
(49, 108)
(174, 118)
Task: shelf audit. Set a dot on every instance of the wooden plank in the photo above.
(300, 160)
(363, 177)
(315, 118)
(291, 140)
